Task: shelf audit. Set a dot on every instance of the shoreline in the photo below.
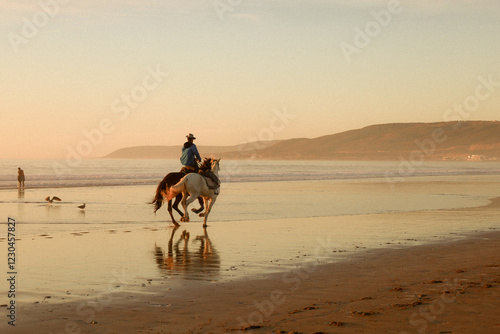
(389, 172)
(453, 286)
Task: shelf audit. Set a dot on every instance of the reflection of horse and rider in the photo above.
(202, 262)
(192, 182)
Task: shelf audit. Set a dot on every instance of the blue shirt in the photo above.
(189, 152)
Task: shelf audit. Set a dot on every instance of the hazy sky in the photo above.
(97, 75)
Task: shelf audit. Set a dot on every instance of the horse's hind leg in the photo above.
(170, 211)
(202, 206)
(178, 199)
(186, 200)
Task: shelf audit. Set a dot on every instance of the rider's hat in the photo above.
(190, 136)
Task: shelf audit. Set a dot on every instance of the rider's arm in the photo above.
(195, 151)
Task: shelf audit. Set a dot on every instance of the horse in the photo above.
(193, 186)
(163, 187)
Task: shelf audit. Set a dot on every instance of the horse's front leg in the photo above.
(197, 211)
(209, 206)
(206, 201)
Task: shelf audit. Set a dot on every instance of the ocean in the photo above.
(103, 172)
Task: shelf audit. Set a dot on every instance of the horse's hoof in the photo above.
(202, 214)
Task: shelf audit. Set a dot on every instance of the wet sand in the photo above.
(398, 271)
(441, 288)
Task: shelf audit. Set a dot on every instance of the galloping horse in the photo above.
(193, 186)
(163, 187)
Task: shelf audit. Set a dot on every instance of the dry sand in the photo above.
(446, 288)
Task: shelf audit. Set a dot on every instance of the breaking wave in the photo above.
(42, 174)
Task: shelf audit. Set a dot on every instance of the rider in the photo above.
(190, 156)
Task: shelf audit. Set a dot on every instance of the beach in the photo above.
(305, 256)
(347, 153)
(449, 287)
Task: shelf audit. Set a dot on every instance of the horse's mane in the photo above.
(206, 165)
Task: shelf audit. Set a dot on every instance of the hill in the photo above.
(470, 140)
(442, 140)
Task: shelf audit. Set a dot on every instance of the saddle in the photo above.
(212, 180)
(188, 169)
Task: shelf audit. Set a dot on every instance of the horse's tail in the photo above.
(176, 189)
(158, 199)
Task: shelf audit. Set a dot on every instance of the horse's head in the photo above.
(210, 164)
(215, 165)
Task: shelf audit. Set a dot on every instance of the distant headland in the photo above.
(464, 140)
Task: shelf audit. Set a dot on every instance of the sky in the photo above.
(85, 78)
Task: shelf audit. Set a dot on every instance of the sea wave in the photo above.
(39, 173)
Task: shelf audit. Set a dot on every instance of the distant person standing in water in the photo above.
(190, 155)
(20, 177)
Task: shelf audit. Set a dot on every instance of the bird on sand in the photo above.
(54, 198)
(82, 206)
